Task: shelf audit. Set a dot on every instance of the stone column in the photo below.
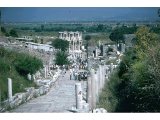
(34, 78)
(101, 76)
(29, 76)
(96, 52)
(73, 46)
(89, 91)
(104, 73)
(111, 67)
(45, 71)
(96, 86)
(60, 35)
(78, 92)
(93, 88)
(69, 36)
(9, 89)
(79, 45)
(98, 78)
(69, 46)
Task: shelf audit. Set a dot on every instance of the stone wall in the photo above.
(30, 93)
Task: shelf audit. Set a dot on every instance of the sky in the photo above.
(49, 14)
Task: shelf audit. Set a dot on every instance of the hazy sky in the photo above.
(77, 14)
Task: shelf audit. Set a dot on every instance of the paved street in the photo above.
(59, 99)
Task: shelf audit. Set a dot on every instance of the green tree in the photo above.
(26, 64)
(3, 30)
(61, 58)
(116, 35)
(63, 45)
(145, 41)
(134, 86)
(13, 33)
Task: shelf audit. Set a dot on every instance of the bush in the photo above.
(26, 64)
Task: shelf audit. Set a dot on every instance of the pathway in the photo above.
(60, 98)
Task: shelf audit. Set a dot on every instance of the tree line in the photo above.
(79, 27)
(11, 32)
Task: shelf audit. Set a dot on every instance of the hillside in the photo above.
(16, 66)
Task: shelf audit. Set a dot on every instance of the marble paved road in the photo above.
(59, 99)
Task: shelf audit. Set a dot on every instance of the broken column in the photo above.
(111, 67)
(34, 78)
(123, 47)
(9, 89)
(78, 92)
(29, 76)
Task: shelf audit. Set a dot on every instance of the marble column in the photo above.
(73, 46)
(89, 91)
(78, 92)
(98, 77)
(9, 89)
(101, 75)
(93, 82)
(111, 67)
(103, 80)
(96, 86)
(29, 76)
(45, 71)
(60, 35)
(79, 46)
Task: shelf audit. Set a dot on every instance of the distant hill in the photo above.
(78, 14)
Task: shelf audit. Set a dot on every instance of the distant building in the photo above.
(44, 47)
(75, 42)
(25, 38)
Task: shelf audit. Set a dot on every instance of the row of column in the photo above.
(65, 35)
(95, 84)
(74, 45)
